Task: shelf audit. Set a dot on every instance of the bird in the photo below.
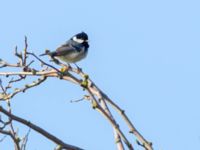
(72, 51)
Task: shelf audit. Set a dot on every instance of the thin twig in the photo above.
(43, 61)
(1, 140)
(19, 55)
(17, 147)
(17, 80)
(26, 87)
(25, 51)
(25, 140)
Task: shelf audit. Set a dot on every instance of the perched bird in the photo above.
(74, 50)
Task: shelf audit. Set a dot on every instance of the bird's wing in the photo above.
(64, 50)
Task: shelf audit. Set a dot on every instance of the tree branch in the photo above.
(39, 130)
(98, 98)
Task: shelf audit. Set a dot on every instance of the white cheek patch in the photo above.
(78, 40)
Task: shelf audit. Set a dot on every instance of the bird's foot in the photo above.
(78, 68)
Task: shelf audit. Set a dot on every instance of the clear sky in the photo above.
(143, 54)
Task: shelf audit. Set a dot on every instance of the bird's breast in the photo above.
(74, 56)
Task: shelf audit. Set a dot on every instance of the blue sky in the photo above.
(143, 54)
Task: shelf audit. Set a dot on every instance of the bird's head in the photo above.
(80, 38)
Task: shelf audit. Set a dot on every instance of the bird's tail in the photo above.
(47, 52)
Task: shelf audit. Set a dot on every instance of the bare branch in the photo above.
(147, 145)
(39, 130)
(17, 80)
(1, 140)
(6, 64)
(96, 91)
(15, 140)
(27, 86)
(113, 123)
(43, 61)
(20, 57)
(25, 51)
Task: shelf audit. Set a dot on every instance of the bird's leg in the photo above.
(56, 61)
(78, 68)
(69, 66)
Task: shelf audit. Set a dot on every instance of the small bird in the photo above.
(74, 50)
